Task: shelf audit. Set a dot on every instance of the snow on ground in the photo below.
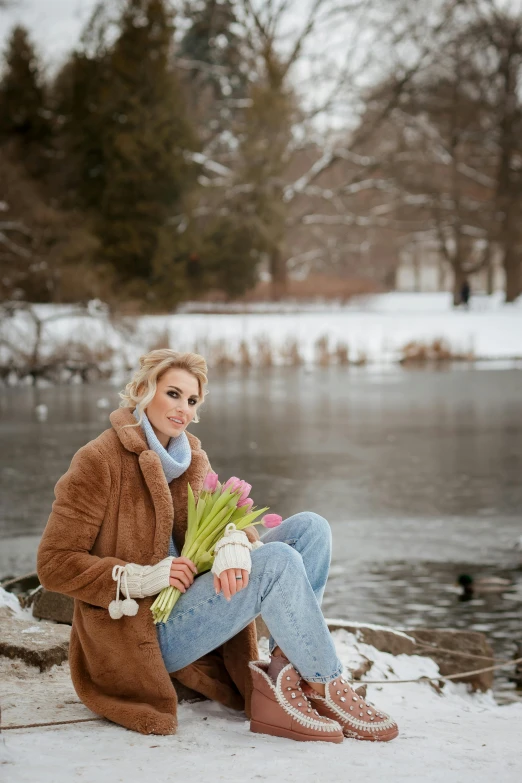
(373, 329)
(453, 737)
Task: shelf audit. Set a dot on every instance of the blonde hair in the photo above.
(140, 390)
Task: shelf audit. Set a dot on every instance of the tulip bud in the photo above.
(233, 484)
(271, 520)
(211, 482)
(247, 503)
(245, 491)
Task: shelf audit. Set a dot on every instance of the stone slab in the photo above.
(186, 694)
(384, 639)
(459, 643)
(53, 606)
(37, 643)
(395, 642)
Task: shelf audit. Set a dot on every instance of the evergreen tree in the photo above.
(145, 139)
(124, 140)
(79, 93)
(231, 250)
(212, 39)
(24, 118)
(265, 149)
(217, 64)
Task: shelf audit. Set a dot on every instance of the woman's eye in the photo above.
(192, 402)
(172, 394)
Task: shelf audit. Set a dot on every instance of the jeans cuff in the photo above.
(338, 672)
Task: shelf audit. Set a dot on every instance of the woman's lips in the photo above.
(178, 423)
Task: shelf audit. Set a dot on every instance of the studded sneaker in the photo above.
(359, 719)
(281, 709)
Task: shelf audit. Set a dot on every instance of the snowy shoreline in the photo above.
(446, 736)
(452, 736)
(381, 330)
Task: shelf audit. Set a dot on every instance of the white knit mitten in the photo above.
(232, 551)
(137, 581)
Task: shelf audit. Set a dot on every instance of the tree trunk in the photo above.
(507, 192)
(458, 279)
(512, 270)
(279, 287)
(490, 274)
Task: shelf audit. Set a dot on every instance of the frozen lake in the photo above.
(419, 473)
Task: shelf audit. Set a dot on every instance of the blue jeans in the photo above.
(286, 587)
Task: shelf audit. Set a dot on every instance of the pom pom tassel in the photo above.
(115, 610)
(129, 607)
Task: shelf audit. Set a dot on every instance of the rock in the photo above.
(53, 606)
(364, 668)
(459, 642)
(38, 643)
(185, 693)
(21, 584)
(379, 636)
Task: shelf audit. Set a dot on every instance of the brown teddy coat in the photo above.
(114, 506)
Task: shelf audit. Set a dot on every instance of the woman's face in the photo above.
(174, 405)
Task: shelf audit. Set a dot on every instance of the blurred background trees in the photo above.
(226, 148)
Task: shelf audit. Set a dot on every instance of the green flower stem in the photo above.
(207, 530)
(204, 545)
(206, 523)
(220, 504)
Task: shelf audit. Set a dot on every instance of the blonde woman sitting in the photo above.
(119, 518)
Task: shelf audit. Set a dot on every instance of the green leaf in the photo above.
(191, 517)
(220, 503)
(248, 520)
(206, 544)
(200, 508)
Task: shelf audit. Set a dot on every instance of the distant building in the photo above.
(423, 269)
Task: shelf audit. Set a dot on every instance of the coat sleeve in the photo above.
(64, 562)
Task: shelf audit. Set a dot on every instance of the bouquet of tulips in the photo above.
(217, 506)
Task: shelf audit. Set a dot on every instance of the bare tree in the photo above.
(439, 163)
(498, 28)
(306, 181)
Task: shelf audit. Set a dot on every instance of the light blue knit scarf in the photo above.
(175, 459)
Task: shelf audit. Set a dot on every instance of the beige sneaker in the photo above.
(282, 710)
(359, 719)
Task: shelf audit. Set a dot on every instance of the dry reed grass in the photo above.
(160, 340)
(439, 350)
(291, 354)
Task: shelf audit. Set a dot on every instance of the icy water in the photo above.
(419, 473)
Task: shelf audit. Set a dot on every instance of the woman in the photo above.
(119, 518)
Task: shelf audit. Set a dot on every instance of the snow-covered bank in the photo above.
(373, 330)
(450, 737)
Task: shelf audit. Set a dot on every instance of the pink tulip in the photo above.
(211, 482)
(271, 520)
(246, 503)
(245, 490)
(233, 484)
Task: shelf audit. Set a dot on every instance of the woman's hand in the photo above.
(227, 582)
(182, 572)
